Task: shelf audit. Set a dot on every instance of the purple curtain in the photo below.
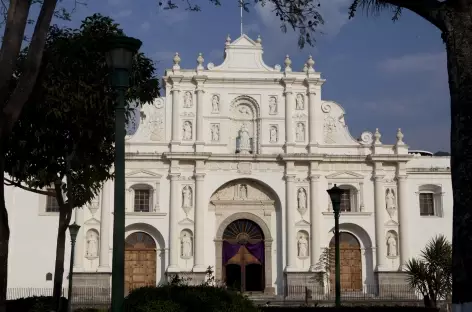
(257, 250)
(229, 250)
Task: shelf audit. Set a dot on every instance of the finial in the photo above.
(310, 62)
(400, 137)
(228, 40)
(287, 63)
(305, 68)
(259, 40)
(200, 61)
(176, 61)
(377, 136)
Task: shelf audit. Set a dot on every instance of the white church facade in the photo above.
(230, 170)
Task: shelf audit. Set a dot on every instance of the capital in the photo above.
(378, 178)
(199, 176)
(402, 178)
(289, 177)
(314, 177)
(174, 176)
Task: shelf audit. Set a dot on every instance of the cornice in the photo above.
(390, 157)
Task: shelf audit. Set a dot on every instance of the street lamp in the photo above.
(120, 60)
(73, 230)
(335, 196)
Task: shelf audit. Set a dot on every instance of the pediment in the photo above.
(345, 175)
(143, 174)
(391, 223)
(302, 223)
(241, 191)
(186, 221)
(92, 221)
(243, 41)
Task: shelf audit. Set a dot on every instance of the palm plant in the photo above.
(431, 273)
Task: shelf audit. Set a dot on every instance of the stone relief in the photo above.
(392, 250)
(244, 140)
(325, 107)
(187, 131)
(272, 105)
(244, 111)
(245, 167)
(187, 199)
(300, 102)
(92, 244)
(302, 244)
(186, 244)
(215, 104)
(390, 202)
(188, 99)
(151, 125)
(300, 132)
(93, 207)
(274, 137)
(366, 138)
(215, 132)
(301, 198)
(241, 191)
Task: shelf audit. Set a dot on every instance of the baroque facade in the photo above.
(230, 170)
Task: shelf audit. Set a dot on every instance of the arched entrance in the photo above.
(243, 256)
(140, 261)
(351, 263)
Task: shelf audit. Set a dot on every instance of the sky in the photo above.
(386, 74)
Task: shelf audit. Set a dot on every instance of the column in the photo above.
(315, 222)
(104, 259)
(291, 242)
(173, 224)
(175, 115)
(79, 245)
(199, 234)
(311, 118)
(403, 219)
(155, 197)
(361, 195)
(379, 197)
(129, 200)
(288, 120)
(200, 141)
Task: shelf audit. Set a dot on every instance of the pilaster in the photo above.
(175, 116)
(173, 220)
(290, 217)
(315, 222)
(79, 245)
(312, 112)
(104, 257)
(200, 212)
(200, 140)
(379, 198)
(289, 105)
(403, 220)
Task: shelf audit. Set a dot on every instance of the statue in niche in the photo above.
(215, 133)
(301, 199)
(302, 246)
(244, 110)
(92, 244)
(187, 197)
(273, 134)
(215, 104)
(187, 130)
(300, 102)
(243, 191)
(391, 246)
(186, 245)
(188, 101)
(300, 132)
(244, 140)
(273, 105)
(390, 202)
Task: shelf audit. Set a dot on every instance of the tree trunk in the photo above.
(4, 238)
(64, 220)
(458, 39)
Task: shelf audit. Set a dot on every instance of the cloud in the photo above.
(145, 25)
(123, 13)
(420, 62)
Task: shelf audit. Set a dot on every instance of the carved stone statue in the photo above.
(391, 246)
(300, 132)
(92, 244)
(215, 104)
(186, 245)
(188, 101)
(215, 133)
(273, 106)
(243, 191)
(244, 110)
(301, 199)
(300, 101)
(187, 128)
(302, 246)
(187, 197)
(273, 134)
(390, 202)
(244, 140)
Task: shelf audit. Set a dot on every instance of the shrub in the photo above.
(349, 309)
(184, 298)
(34, 304)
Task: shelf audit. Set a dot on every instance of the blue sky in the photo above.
(386, 75)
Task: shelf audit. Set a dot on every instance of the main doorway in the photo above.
(243, 256)
(350, 260)
(140, 261)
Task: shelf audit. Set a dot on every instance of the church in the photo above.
(229, 170)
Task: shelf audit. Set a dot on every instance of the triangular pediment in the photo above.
(143, 174)
(92, 221)
(243, 41)
(391, 223)
(302, 223)
(186, 221)
(345, 175)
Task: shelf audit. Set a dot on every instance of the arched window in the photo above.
(348, 198)
(430, 200)
(142, 198)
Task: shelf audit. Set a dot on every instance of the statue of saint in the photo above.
(391, 246)
(243, 191)
(215, 133)
(188, 100)
(186, 245)
(244, 140)
(272, 106)
(273, 134)
(301, 199)
(300, 102)
(302, 246)
(92, 244)
(186, 197)
(390, 199)
(215, 104)
(300, 132)
(187, 130)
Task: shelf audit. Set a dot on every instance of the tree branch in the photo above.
(430, 10)
(26, 188)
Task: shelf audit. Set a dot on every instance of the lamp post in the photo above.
(120, 59)
(73, 231)
(335, 196)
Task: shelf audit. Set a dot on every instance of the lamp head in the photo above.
(121, 52)
(335, 196)
(74, 230)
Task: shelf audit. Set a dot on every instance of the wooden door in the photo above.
(140, 261)
(350, 262)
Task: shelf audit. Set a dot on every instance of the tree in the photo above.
(65, 136)
(431, 274)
